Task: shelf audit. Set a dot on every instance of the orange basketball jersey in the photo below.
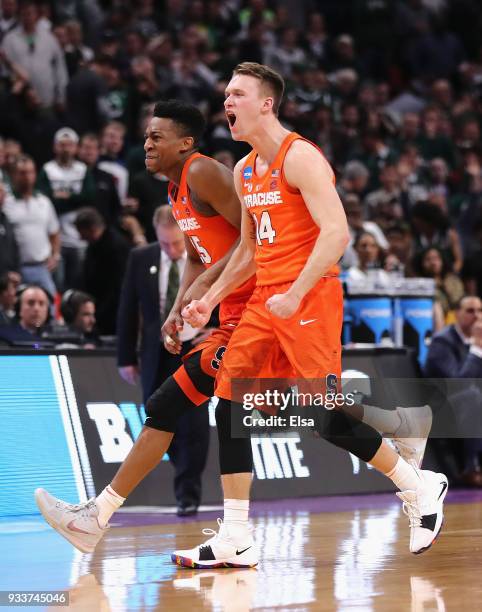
(212, 237)
(285, 230)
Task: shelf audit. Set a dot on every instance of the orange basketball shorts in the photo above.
(306, 346)
(197, 373)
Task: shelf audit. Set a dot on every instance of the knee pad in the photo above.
(166, 405)
(235, 454)
(346, 432)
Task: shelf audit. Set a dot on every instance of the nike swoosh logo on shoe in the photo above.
(240, 552)
(72, 527)
(444, 486)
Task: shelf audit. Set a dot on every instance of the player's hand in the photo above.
(130, 374)
(283, 305)
(170, 332)
(197, 313)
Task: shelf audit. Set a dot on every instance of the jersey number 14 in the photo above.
(264, 229)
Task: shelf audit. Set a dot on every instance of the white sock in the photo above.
(404, 476)
(236, 514)
(384, 421)
(107, 503)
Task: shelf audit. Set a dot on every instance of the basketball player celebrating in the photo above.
(207, 209)
(293, 232)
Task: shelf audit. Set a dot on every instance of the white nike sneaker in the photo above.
(77, 523)
(410, 439)
(424, 508)
(219, 551)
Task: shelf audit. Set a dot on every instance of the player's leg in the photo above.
(85, 524)
(314, 350)
(251, 351)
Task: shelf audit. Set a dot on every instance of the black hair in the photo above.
(71, 302)
(186, 116)
(5, 281)
(432, 214)
(88, 218)
(420, 256)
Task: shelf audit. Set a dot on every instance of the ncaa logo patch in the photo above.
(248, 173)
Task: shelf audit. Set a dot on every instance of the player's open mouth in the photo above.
(231, 118)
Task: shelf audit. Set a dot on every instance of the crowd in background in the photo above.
(390, 90)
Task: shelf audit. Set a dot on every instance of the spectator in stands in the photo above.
(76, 52)
(103, 267)
(31, 316)
(369, 267)
(354, 179)
(146, 190)
(389, 193)
(106, 198)
(86, 98)
(35, 225)
(356, 225)
(9, 256)
(316, 36)
(8, 297)
(438, 188)
(9, 18)
(37, 51)
(456, 352)
(78, 311)
(148, 292)
(346, 136)
(112, 156)
(449, 289)
(431, 227)
(69, 185)
(431, 142)
(400, 244)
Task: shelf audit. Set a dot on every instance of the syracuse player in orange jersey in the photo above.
(293, 233)
(206, 208)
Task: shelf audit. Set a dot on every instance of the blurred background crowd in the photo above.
(391, 90)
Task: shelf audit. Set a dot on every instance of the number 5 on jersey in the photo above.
(264, 229)
(204, 256)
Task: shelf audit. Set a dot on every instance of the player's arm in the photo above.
(325, 207)
(238, 269)
(212, 184)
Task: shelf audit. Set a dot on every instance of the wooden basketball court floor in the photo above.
(338, 553)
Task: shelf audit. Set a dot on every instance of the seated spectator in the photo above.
(369, 265)
(400, 245)
(390, 192)
(357, 225)
(8, 297)
(431, 227)
(78, 311)
(449, 289)
(456, 352)
(35, 225)
(104, 266)
(32, 314)
(437, 184)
